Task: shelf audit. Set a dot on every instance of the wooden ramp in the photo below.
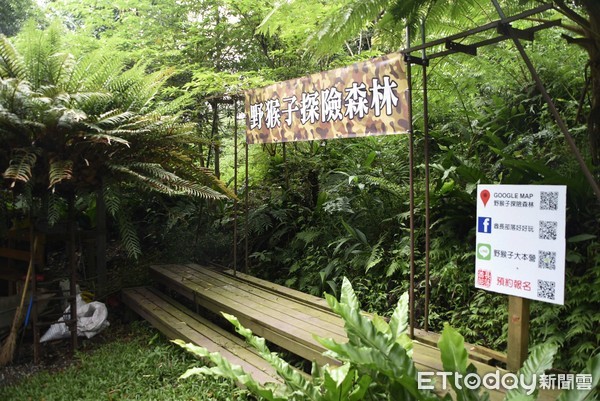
(281, 315)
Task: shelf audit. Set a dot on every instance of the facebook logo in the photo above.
(484, 225)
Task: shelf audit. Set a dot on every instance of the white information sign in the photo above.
(520, 246)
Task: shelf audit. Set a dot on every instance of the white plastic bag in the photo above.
(91, 319)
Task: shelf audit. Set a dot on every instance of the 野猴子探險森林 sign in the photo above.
(365, 99)
(520, 246)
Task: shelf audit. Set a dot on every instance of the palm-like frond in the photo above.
(112, 199)
(21, 166)
(11, 62)
(154, 176)
(114, 118)
(129, 236)
(56, 208)
(351, 18)
(60, 170)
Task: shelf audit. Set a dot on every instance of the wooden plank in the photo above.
(299, 296)
(174, 328)
(261, 305)
(215, 333)
(226, 296)
(317, 306)
(297, 314)
(16, 254)
(286, 336)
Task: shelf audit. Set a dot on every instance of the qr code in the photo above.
(547, 260)
(548, 229)
(548, 200)
(546, 289)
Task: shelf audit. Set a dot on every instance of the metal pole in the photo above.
(559, 121)
(73, 273)
(287, 180)
(411, 293)
(426, 155)
(235, 184)
(246, 211)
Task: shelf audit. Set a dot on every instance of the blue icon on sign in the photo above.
(484, 225)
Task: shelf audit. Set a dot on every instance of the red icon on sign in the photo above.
(485, 196)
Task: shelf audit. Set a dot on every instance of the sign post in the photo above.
(518, 332)
(520, 251)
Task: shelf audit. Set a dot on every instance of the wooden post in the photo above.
(518, 332)
(101, 243)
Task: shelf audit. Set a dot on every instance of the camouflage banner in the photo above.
(365, 99)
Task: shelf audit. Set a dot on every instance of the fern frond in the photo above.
(114, 118)
(105, 138)
(60, 170)
(308, 236)
(12, 64)
(129, 236)
(293, 379)
(112, 199)
(57, 207)
(385, 185)
(376, 255)
(176, 183)
(351, 18)
(21, 167)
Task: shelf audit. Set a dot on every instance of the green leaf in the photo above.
(399, 319)
(381, 325)
(592, 368)
(581, 238)
(223, 368)
(453, 352)
(540, 359)
(348, 296)
(454, 359)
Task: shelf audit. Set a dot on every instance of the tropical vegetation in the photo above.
(115, 99)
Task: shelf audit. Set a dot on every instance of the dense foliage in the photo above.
(328, 210)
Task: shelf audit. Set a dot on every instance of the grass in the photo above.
(139, 365)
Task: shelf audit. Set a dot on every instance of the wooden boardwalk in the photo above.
(283, 316)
